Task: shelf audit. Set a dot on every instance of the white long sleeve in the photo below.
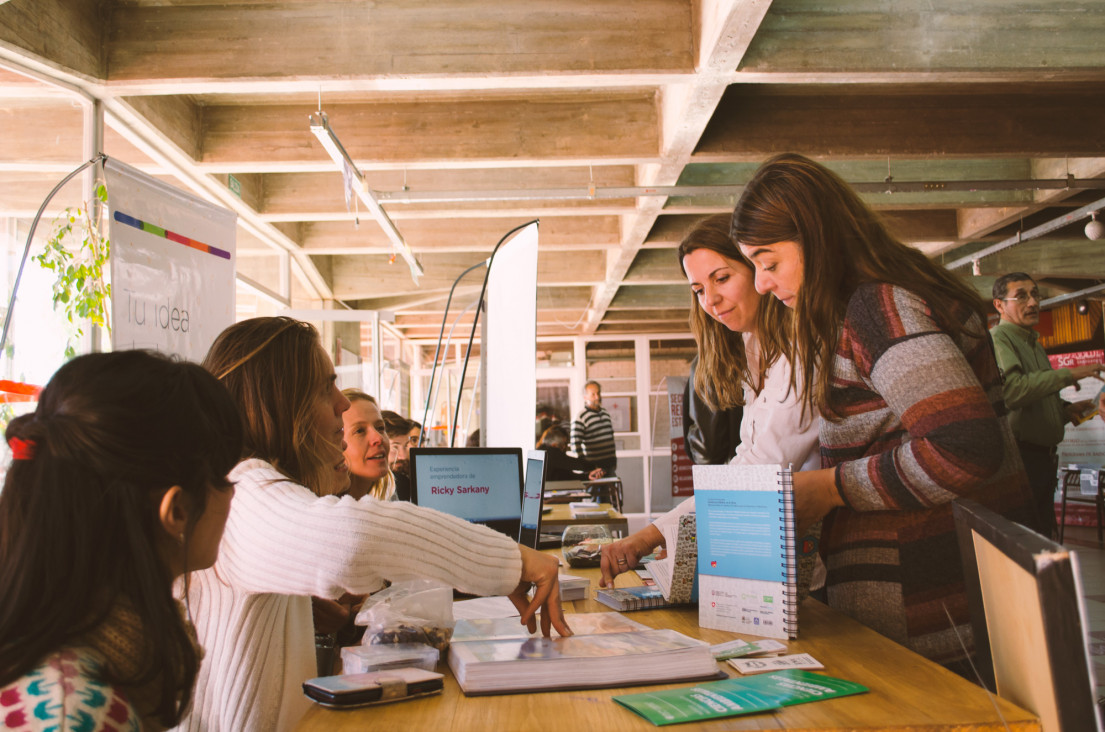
(282, 544)
(773, 431)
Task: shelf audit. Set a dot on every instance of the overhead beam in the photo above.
(723, 30)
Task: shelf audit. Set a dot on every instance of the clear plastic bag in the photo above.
(411, 611)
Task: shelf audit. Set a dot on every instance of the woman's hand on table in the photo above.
(542, 573)
(625, 554)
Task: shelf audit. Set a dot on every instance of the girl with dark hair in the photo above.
(741, 362)
(117, 486)
(291, 535)
(894, 353)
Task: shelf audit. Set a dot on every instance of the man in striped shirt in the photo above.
(593, 432)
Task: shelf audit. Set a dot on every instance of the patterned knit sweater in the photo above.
(282, 544)
(922, 422)
(593, 439)
(65, 693)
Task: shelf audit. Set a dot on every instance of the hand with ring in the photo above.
(625, 554)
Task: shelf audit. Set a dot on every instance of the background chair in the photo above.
(1028, 620)
(1071, 490)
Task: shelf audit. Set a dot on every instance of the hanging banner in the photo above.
(172, 265)
(1084, 443)
(681, 482)
(508, 350)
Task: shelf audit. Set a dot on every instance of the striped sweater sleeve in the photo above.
(899, 375)
(281, 538)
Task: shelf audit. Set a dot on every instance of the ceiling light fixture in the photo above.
(1082, 306)
(320, 126)
(1095, 229)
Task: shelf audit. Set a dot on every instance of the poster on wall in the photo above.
(172, 265)
(681, 483)
(1083, 443)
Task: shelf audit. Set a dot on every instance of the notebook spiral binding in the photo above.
(789, 551)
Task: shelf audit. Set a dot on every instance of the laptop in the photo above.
(482, 485)
(533, 499)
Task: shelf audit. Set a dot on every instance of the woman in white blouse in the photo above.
(740, 363)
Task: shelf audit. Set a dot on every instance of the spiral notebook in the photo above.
(747, 559)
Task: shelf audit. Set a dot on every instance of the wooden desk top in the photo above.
(561, 515)
(907, 692)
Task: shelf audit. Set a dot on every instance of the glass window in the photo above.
(613, 365)
(555, 354)
(671, 357)
(661, 420)
(662, 500)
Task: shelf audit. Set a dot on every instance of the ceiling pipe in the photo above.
(1036, 231)
(613, 192)
(1052, 301)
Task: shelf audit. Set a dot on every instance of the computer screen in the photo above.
(479, 484)
(533, 492)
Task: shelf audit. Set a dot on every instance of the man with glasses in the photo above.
(1031, 390)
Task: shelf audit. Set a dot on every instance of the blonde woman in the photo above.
(292, 535)
(367, 448)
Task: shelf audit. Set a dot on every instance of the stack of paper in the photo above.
(500, 660)
(586, 509)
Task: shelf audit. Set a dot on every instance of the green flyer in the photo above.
(734, 697)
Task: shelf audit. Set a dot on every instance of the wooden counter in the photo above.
(560, 517)
(907, 692)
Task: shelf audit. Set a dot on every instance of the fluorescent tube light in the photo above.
(320, 126)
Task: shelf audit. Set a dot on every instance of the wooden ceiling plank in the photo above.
(861, 36)
(974, 223)
(1043, 258)
(319, 40)
(63, 33)
(591, 127)
(655, 267)
(753, 122)
(442, 235)
(301, 194)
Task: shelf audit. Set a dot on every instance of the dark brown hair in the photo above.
(80, 532)
(722, 361)
(844, 244)
(275, 369)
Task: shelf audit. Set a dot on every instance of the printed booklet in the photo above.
(734, 697)
(747, 559)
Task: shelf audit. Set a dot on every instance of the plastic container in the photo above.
(363, 659)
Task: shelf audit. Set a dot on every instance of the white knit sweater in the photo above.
(282, 545)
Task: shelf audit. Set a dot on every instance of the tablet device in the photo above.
(478, 484)
(533, 497)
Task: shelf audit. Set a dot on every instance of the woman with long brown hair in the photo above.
(117, 486)
(894, 354)
(741, 362)
(291, 536)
